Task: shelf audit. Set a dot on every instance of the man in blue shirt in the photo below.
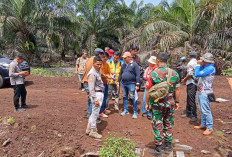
(130, 77)
(205, 71)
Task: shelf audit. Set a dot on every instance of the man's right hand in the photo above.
(97, 104)
(76, 72)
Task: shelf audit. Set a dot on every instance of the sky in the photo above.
(155, 2)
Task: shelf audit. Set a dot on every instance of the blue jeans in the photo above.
(89, 101)
(80, 77)
(104, 102)
(129, 91)
(144, 103)
(204, 107)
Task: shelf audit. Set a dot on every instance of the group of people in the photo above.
(104, 74)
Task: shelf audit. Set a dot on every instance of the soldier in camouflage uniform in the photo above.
(163, 110)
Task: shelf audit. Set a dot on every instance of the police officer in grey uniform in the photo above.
(17, 81)
(96, 93)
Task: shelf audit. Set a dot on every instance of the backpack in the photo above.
(160, 90)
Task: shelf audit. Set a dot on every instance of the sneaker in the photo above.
(25, 106)
(124, 113)
(135, 115)
(98, 121)
(107, 111)
(158, 150)
(200, 127)
(144, 115)
(168, 147)
(193, 119)
(93, 133)
(207, 132)
(88, 129)
(103, 115)
(19, 109)
(116, 107)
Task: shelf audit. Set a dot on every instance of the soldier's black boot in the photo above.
(168, 147)
(158, 150)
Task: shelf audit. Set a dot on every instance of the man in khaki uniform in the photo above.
(80, 68)
(96, 93)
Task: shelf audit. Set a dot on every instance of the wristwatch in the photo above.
(177, 102)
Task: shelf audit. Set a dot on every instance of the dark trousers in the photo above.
(19, 90)
(191, 108)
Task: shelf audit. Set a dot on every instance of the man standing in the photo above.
(191, 108)
(17, 81)
(88, 65)
(146, 77)
(115, 68)
(129, 76)
(134, 55)
(105, 74)
(80, 67)
(163, 110)
(96, 89)
(205, 71)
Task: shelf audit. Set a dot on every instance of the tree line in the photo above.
(68, 27)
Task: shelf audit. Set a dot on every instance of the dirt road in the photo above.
(55, 123)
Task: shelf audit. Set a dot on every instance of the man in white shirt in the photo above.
(191, 109)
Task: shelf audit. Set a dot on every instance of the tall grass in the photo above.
(48, 72)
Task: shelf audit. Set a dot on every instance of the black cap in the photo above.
(21, 56)
(98, 51)
(163, 57)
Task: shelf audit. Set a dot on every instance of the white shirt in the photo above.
(190, 71)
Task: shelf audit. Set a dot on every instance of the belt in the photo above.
(99, 91)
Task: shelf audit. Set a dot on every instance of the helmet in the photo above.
(183, 59)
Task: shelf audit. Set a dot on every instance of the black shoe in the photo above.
(25, 106)
(158, 150)
(168, 147)
(19, 109)
(149, 117)
(185, 115)
(193, 119)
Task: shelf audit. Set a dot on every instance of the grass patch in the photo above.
(117, 146)
(11, 120)
(48, 72)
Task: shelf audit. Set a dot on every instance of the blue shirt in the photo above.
(206, 74)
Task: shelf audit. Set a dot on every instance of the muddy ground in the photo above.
(55, 124)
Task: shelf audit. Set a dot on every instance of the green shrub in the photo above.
(11, 120)
(118, 147)
(227, 72)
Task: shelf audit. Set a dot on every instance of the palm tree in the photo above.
(102, 20)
